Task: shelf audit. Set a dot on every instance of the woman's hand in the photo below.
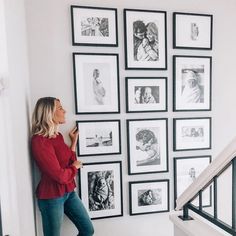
(77, 164)
(74, 134)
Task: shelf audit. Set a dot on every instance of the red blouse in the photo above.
(54, 159)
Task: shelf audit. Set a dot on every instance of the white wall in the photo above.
(16, 181)
(50, 50)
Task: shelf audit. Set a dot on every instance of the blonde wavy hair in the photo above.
(42, 118)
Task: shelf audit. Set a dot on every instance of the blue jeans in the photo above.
(52, 211)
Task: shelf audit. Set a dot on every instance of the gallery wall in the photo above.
(51, 74)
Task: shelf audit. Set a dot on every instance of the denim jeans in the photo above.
(52, 211)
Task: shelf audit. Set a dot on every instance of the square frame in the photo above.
(146, 94)
(94, 26)
(144, 52)
(147, 197)
(147, 146)
(96, 83)
(192, 31)
(98, 176)
(192, 86)
(99, 137)
(192, 133)
(186, 170)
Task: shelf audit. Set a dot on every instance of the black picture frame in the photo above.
(99, 137)
(109, 175)
(146, 94)
(186, 170)
(193, 133)
(96, 83)
(192, 31)
(147, 141)
(148, 197)
(192, 83)
(94, 26)
(142, 52)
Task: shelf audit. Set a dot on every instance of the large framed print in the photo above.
(192, 31)
(192, 133)
(186, 170)
(94, 26)
(96, 79)
(146, 94)
(145, 39)
(100, 189)
(148, 197)
(147, 146)
(99, 137)
(192, 83)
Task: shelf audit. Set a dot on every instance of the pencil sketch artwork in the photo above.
(101, 190)
(146, 94)
(145, 41)
(192, 84)
(147, 146)
(98, 137)
(192, 134)
(95, 26)
(149, 197)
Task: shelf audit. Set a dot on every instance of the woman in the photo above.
(58, 166)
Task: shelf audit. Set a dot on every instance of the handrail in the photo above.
(215, 168)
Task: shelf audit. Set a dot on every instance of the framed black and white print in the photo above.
(147, 94)
(96, 83)
(147, 146)
(99, 137)
(192, 83)
(94, 26)
(100, 188)
(148, 197)
(145, 39)
(192, 133)
(186, 170)
(192, 31)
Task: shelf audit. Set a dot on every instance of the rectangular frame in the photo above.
(148, 197)
(99, 137)
(186, 170)
(192, 133)
(96, 83)
(192, 31)
(146, 94)
(192, 83)
(147, 146)
(94, 26)
(149, 49)
(100, 189)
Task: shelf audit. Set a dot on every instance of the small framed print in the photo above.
(100, 188)
(148, 94)
(147, 146)
(96, 79)
(192, 31)
(94, 26)
(99, 137)
(148, 197)
(192, 83)
(192, 133)
(186, 170)
(145, 39)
